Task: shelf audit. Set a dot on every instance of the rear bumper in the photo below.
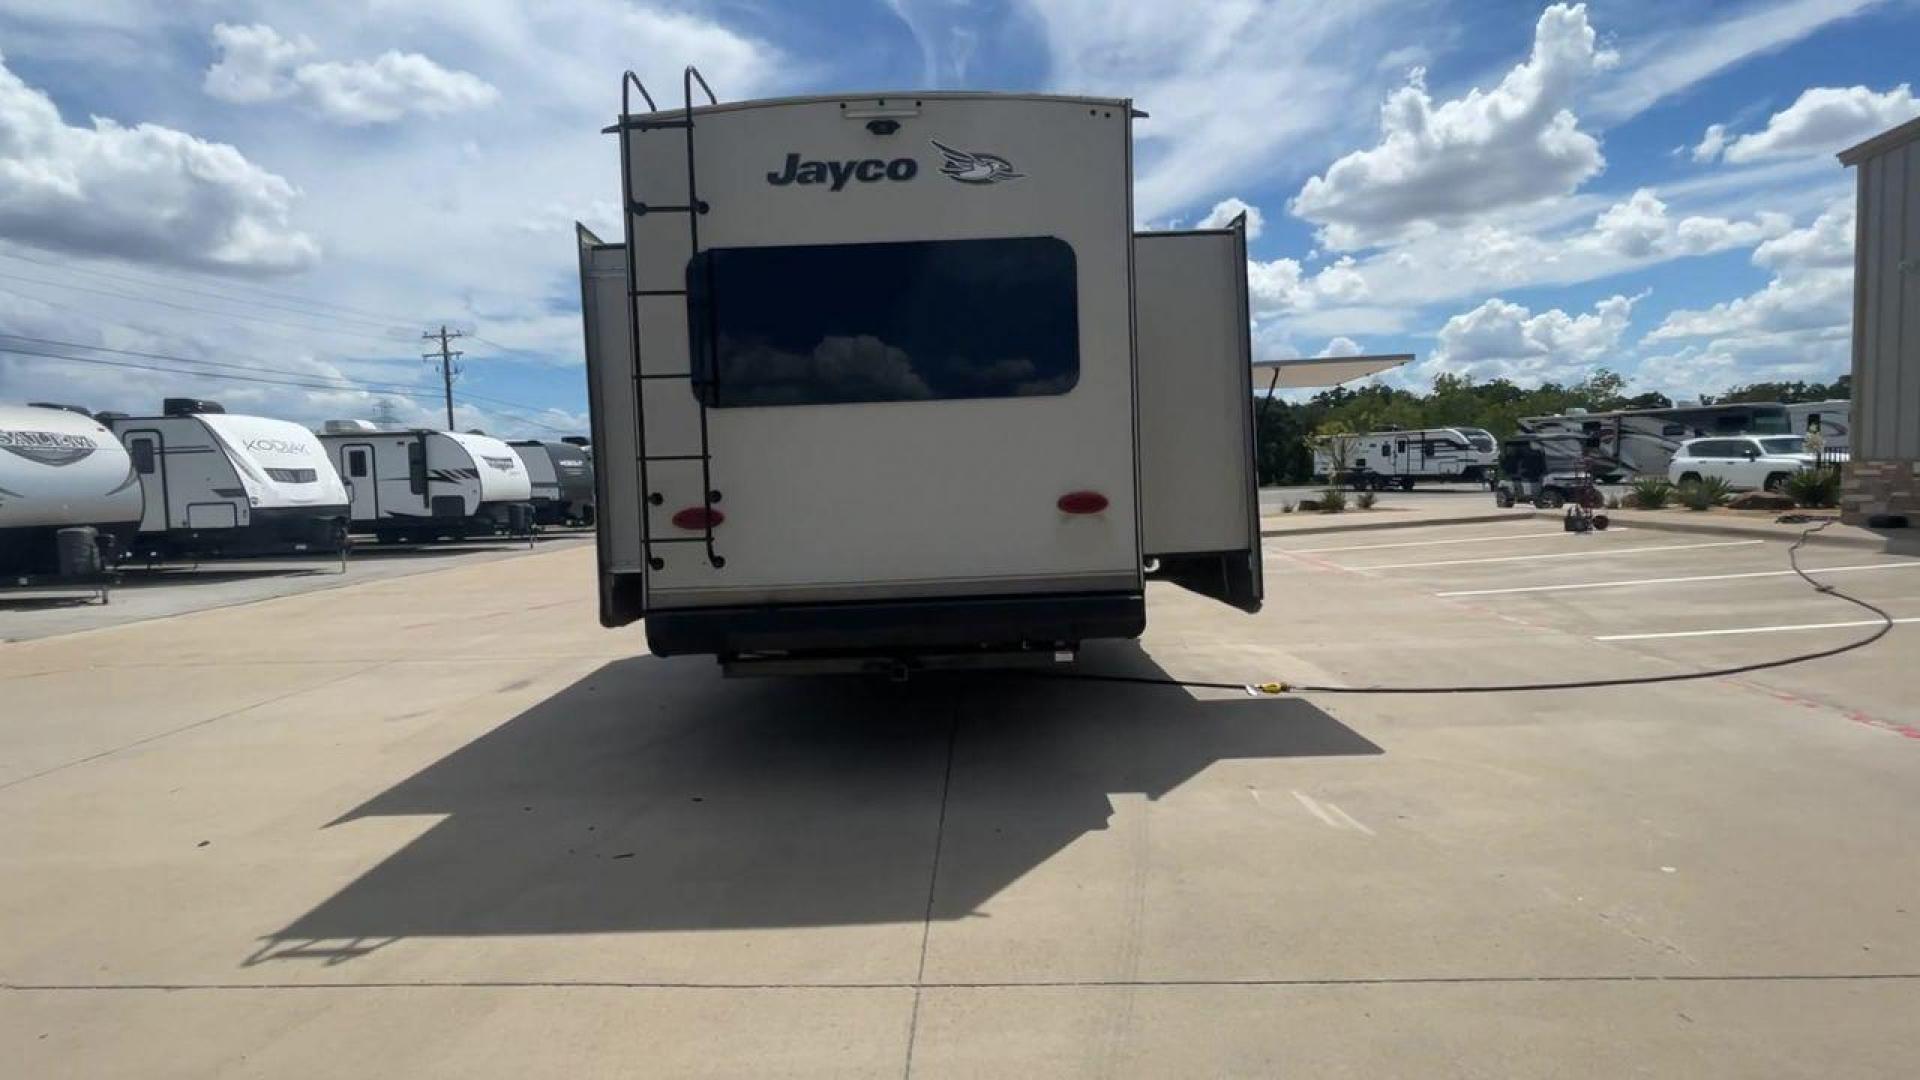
(897, 627)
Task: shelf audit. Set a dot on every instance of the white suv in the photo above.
(1743, 461)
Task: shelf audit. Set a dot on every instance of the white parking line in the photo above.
(1750, 630)
(1590, 553)
(1431, 543)
(1913, 565)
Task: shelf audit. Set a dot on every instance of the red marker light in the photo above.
(1082, 502)
(698, 517)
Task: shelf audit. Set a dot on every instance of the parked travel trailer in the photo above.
(1835, 422)
(872, 405)
(1392, 458)
(61, 469)
(1618, 446)
(218, 483)
(562, 478)
(541, 479)
(420, 484)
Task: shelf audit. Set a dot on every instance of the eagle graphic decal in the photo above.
(975, 168)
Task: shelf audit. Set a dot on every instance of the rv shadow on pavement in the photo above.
(653, 795)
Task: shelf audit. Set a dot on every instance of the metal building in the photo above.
(1883, 481)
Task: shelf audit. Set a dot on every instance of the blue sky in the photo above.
(296, 191)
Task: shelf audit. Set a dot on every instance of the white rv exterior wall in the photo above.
(890, 499)
(1195, 397)
(603, 297)
(503, 476)
(257, 443)
(59, 468)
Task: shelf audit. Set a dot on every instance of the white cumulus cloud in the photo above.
(1233, 86)
(1446, 163)
(1342, 346)
(1828, 242)
(146, 192)
(1500, 338)
(1229, 208)
(1283, 287)
(1811, 288)
(257, 64)
(1822, 120)
(1640, 228)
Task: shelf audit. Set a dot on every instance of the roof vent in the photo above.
(186, 406)
(57, 405)
(346, 427)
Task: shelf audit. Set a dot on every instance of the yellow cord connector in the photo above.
(1267, 689)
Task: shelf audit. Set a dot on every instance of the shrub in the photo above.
(1332, 501)
(1286, 506)
(1814, 487)
(1366, 499)
(1613, 502)
(1651, 492)
(1704, 493)
(1309, 505)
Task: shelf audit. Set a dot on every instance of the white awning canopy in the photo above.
(1313, 372)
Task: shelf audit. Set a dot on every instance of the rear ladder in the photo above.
(634, 207)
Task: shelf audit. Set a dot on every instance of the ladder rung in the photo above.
(669, 375)
(644, 125)
(641, 208)
(673, 457)
(679, 540)
(658, 292)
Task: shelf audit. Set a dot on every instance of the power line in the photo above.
(384, 387)
(509, 348)
(133, 280)
(18, 351)
(383, 318)
(510, 410)
(446, 364)
(201, 310)
(357, 384)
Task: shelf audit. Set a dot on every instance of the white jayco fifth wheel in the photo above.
(867, 392)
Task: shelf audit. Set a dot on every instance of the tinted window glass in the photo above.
(920, 321)
(294, 476)
(1785, 444)
(357, 464)
(417, 468)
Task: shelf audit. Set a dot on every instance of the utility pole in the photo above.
(445, 356)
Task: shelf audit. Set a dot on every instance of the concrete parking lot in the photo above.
(180, 588)
(444, 825)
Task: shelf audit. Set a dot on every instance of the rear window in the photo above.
(294, 476)
(1784, 444)
(917, 321)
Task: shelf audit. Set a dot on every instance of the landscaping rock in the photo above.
(1759, 500)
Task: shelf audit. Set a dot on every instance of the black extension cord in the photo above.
(1276, 688)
